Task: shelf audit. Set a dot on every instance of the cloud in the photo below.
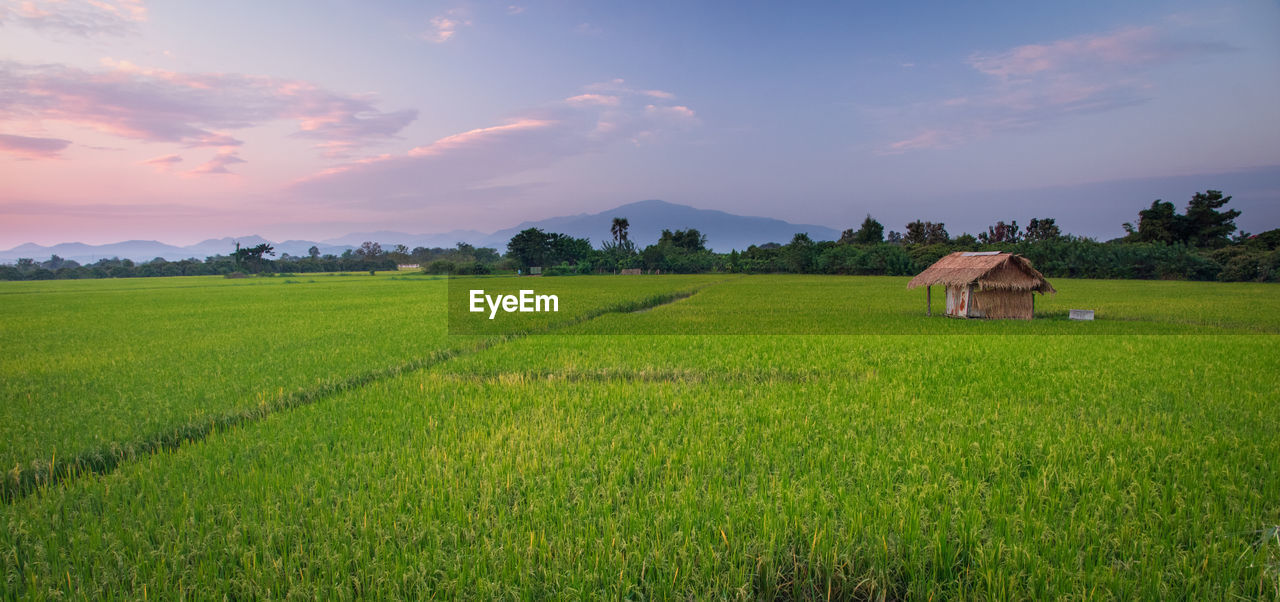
(928, 139)
(164, 162)
(27, 147)
(190, 109)
(463, 165)
(598, 99)
(218, 164)
(443, 27)
(83, 18)
(677, 112)
(1124, 49)
(514, 9)
(1034, 84)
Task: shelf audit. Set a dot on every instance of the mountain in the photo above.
(146, 250)
(389, 239)
(647, 219)
(725, 231)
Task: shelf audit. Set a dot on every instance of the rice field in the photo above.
(836, 447)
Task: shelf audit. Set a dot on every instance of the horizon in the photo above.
(128, 120)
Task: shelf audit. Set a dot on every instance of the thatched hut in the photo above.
(984, 285)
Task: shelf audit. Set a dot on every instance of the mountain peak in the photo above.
(647, 219)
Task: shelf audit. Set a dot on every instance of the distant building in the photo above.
(984, 285)
(407, 266)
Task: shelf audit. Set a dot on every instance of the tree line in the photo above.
(1202, 243)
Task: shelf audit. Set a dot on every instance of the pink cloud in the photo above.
(442, 28)
(599, 99)
(462, 141)
(675, 111)
(1129, 47)
(218, 164)
(191, 109)
(164, 162)
(461, 165)
(1037, 83)
(28, 147)
(79, 17)
(929, 139)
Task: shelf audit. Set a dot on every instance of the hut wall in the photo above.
(1002, 304)
(958, 301)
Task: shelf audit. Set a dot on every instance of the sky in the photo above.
(182, 121)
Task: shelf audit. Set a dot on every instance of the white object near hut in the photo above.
(988, 284)
(1080, 314)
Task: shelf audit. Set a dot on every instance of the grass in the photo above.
(1024, 465)
(102, 371)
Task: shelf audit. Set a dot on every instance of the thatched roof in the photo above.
(990, 271)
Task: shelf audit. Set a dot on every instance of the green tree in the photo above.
(1042, 229)
(1202, 226)
(871, 232)
(690, 240)
(567, 249)
(1159, 223)
(251, 258)
(400, 254)
(925, 233)
(533, 247)
(1001, 232)
(619, 230)
(1206, 226)
(801, 253)
(530, 247)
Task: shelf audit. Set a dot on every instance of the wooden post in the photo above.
(928, 300)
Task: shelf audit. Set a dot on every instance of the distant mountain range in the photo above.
(725, 231)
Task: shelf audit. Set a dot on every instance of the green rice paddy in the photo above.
(334, 441)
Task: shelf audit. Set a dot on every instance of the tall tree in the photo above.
(1001, 232)
(530, 247)
(800, 253)
(251, 258)
(927, 233)
(1042, 229)
(1159, 223)
(533, 247)
(1205, 225)
(690, 240)
(871, 232)
(619, 230)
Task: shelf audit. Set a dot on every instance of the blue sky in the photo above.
(180, 121)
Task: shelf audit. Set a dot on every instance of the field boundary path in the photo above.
(38, 476)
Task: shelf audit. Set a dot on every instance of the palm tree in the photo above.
(619, 230)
